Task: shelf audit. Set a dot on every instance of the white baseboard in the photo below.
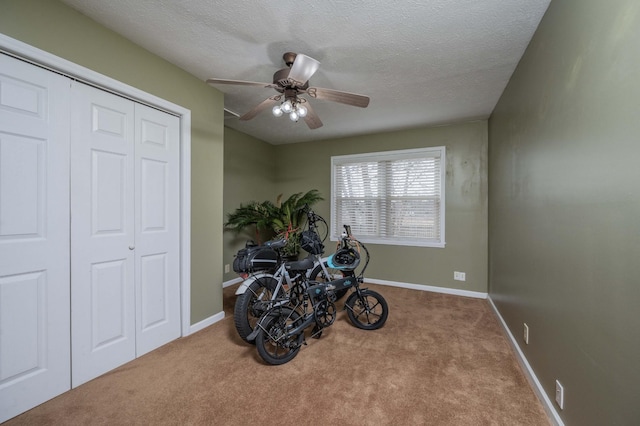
(435, 289)
(214, 318)
(456, 292)
(226, 284)
(206, 322)
(531, 375)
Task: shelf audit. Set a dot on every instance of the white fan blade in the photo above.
(303, 68)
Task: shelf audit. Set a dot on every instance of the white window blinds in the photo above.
(394, 197)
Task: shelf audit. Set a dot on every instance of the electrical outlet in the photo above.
(526, 333)
(560, 395)
(226, 268)
(459, 276)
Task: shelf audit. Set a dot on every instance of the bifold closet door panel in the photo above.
(157, 253)
(34, 236)
(102, 232)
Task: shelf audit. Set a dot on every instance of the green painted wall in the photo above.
(564, 185)
(249, 175)
(305, 166)
(51, 26)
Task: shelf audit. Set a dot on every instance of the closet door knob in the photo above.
(131, 247)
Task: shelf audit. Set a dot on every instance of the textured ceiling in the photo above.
(422, 62)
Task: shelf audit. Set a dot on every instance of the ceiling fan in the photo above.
(291, 83)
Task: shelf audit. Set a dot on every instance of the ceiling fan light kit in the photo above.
(295, 109)
(291, 83)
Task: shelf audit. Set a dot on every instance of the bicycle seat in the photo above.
(300, 265)
(276, 244)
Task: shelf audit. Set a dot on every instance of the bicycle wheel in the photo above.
(274, 346)
(252, 304)
(317, 274)
(367, 310)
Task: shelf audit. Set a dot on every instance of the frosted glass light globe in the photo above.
(302, 111)
(294, 116)
(277, 111)
(287, 107)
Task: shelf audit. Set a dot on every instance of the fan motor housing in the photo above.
(281, 78)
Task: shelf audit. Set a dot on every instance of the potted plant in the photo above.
(282, 218)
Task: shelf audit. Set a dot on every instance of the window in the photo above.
(393, 197)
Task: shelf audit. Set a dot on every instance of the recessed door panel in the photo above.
(155, 133)
(20, 96)
(22, 186)
(34, 236)
(23, 345)
(154, 290)
(108, 303)
(111, 122)
(108, 192)
(154, 203)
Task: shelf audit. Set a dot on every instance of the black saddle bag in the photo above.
(255, 258)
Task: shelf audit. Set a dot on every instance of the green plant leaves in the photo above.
(284, 218)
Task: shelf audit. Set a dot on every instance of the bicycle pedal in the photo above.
(316, 333)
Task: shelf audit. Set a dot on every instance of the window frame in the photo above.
(429, 152)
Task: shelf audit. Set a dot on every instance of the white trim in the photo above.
(531, 375)
(434, 289)
(229, 283)
(54, 63)
(185, 224)
(205, 323)
(59, 65)
(386, 155)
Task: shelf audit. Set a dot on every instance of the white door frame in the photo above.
(47, 60)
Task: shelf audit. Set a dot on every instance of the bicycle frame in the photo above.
(308, 315)
(281, 275)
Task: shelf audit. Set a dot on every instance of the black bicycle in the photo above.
(280, 332)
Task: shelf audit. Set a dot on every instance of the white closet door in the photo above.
(102, 232)
(125, 231)
(34, 236)
(157, 253)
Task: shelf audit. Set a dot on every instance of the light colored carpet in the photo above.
(439, 360)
